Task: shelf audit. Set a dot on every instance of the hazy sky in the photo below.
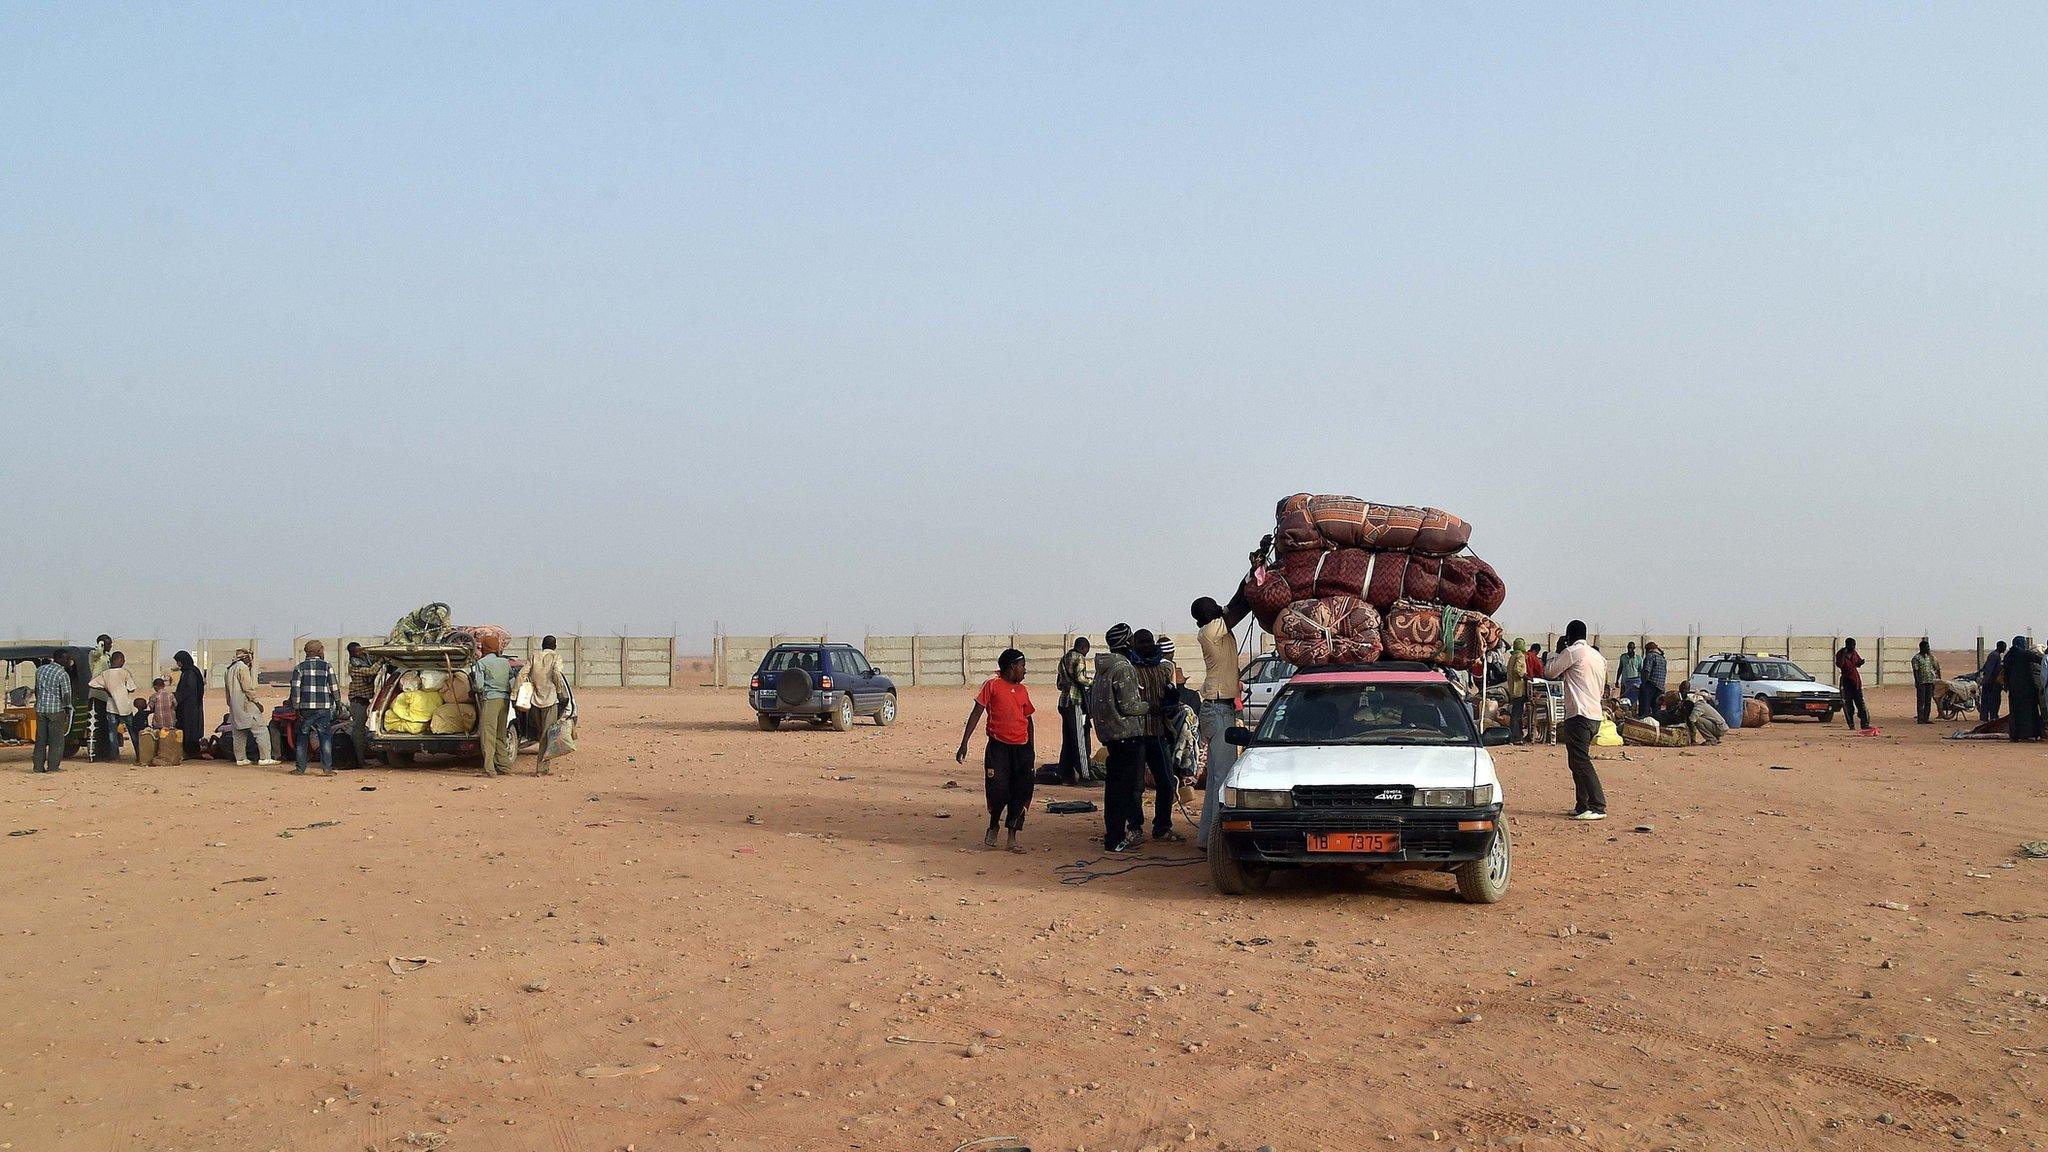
(864, 316)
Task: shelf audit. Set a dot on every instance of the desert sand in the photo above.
(1814, 940)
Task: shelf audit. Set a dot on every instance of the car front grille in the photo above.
(1353, 796)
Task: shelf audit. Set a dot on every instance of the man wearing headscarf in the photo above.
(1116, 706)
(1989, 685)
(2024, 691)
(245, 712)
(490, 679)
(191, 695)
(1583, 671)
(1155, 683)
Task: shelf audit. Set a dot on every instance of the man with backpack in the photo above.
(1116, 706)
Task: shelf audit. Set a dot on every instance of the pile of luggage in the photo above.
(1345, 581)
(430, 700)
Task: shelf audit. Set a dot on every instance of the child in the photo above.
(1007, 765)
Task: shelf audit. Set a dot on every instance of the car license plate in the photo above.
(1816, 707)
(1378, 842)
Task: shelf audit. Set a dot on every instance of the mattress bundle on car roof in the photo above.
(1343, 580)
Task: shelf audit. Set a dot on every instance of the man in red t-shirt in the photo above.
(1007, 765)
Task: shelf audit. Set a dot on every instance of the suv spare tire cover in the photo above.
(793, 686)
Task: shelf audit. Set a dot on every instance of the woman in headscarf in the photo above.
(191, 703)
(2023, 689)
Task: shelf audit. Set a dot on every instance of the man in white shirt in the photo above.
(1583, 672)
(119, 686)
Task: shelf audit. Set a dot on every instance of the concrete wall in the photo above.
(942, 660)
(970, 659)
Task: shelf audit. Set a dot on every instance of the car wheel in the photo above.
(402, 759)
(768, 723)
(1485, 880)
(886, 714)
(1231, 876)
(842, 714)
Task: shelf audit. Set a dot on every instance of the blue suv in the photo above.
(822, 683)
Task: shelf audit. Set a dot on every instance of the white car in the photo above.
(1779, 683)
(1378, 766)
(1262, 679)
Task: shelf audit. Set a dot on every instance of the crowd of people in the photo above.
(1134, 698)
(167, 725)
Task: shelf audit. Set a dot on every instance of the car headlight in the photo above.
(1258, 798)
(1454, 797)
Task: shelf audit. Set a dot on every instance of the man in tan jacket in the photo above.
(245, 711)
(544, 673)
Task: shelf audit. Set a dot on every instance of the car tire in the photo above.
(768, 723)
(793, 687)
(886, 714)
(1485, 880)
(842, 713)
(1231, 876)
(402, 759)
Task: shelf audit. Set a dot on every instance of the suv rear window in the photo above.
(783, 659)
(1367, 714)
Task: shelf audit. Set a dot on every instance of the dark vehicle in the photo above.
(1374, 765)
(16, 710)
(821, 683)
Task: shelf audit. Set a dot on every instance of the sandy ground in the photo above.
(189, 965)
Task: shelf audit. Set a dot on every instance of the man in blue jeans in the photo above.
(53, 712)
(1220, 692)
(313, 694)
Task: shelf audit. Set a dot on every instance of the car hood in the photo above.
(1772, 687)
(1279, 767)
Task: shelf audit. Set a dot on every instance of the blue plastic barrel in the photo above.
(1728, 702)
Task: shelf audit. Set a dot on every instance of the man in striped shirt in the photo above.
(313, 695)
(53, 712)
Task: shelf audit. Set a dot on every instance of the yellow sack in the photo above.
(450, 719)
(418, 706)
(407, 727)
(1610, 736)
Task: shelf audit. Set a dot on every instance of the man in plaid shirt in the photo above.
(53, 712)
(313, 694)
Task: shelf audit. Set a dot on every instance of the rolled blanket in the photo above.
(1380, 578)
(1424, 574)
(1303, 522)
(1489, 591)
(1437, 634)
(1331, 630)
(1314, 575)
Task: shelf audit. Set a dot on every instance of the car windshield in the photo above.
(1773, 670)
(783, 659)
(1367, 714)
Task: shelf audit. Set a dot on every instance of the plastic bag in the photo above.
(450, 719)
(431, 679)
(407, 727)
(560, 739)
(409, 680)
(417, 707)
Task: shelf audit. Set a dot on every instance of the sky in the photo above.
(867, 317)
